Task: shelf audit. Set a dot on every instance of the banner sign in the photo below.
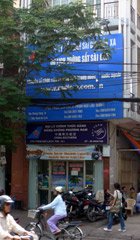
(68, 133)
(95, 76)
(57, 153)
(85, 111)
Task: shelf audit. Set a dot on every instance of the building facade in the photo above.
(71, 164)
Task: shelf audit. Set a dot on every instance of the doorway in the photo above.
(71, 175)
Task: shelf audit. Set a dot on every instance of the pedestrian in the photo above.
(59, 207)
(116, 207)
(124, 192)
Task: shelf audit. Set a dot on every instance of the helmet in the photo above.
(59, 189)
(5, 199)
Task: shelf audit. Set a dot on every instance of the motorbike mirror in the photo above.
(89, 194)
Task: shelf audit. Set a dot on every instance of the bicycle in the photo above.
(69, 231)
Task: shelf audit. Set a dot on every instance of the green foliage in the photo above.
(46, 29)
(74, 179)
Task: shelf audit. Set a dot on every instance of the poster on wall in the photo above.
(58, 168)
(58, 174)
(75, 175)
(68, 133)
(58, 180)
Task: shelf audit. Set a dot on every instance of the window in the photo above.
(24, 3)
(94, 7)
(60, 2)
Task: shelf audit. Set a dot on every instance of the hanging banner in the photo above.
(58, 153)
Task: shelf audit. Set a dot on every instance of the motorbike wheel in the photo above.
(91, 215)
(74, 233)
(34, 227)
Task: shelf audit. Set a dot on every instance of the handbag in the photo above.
(117, 205)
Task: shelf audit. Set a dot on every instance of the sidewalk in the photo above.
(95, 230)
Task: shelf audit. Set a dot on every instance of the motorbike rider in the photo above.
(8, 225)
(59, 207)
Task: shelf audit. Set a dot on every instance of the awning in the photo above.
(135, 143)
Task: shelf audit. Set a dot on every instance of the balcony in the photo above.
(95, 9)
(132, 14)
(138, 21)
(111, 10)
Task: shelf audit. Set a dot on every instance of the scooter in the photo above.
(99, 210)
(77, 203)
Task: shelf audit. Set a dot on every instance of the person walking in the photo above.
(124, 192)
(116, 207)
(59, 207)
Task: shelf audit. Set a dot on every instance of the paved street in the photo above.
(95, 230)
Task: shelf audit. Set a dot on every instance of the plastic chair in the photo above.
(130, 205)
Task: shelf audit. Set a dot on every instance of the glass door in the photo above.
(89, 176)
(43, 181)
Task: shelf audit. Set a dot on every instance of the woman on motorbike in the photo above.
(8, 225)
(59, 207)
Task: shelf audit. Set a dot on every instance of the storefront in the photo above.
(72, 167)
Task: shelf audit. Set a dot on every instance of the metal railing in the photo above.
(111, 10)
(138, 21)
(132, 10)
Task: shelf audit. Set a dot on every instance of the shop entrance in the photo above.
(72, 175)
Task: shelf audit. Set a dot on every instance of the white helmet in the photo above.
(5, 199)
(59, 189)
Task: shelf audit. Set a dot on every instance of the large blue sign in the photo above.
(96, 77)
(68, 133)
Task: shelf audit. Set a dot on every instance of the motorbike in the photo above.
(77, 203)
(98, 210)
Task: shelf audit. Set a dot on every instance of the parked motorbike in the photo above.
(98, 210)
(77, 202)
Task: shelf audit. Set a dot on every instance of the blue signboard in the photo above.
(85, 111)
(96, 77)
(68, 133)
